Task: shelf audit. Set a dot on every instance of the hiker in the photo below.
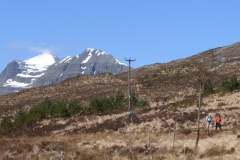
(218, 121)
(208, 120)
(131, 117)
(131, 114)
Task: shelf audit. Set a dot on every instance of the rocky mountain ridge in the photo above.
(46, 69)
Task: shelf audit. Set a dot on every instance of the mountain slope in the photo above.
(20, 75)
(48, 69)
(158, 83)
(90, 62)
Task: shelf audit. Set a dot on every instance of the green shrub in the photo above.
(230, 85)
(139, 103)
(74, 107)
(208, 87)
(120, 102)
(114, 104)
(37, 113)
(20, 119)
(40, 111)
(234, 82)
(96, 105)
(60, 109)
(48, 106)
(6, 125)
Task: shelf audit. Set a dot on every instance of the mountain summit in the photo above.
(47, 68)
(22, 74)
(34, 67)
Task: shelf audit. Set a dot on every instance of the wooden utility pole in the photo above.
(148, 135)
(129, 83)
(199, 109)
(174, 134)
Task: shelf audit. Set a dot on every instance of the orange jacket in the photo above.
(217, 119)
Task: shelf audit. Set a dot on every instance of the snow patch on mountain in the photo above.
(87, 59)
(40, 62)
(65, 60)
(90, 49)
(98, 52)
(11, 83)
(117, 61)
(36, 64)
(25, 75)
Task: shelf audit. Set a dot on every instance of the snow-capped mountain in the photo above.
(46, 69)
(30, 70)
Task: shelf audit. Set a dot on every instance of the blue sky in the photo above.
(154, 31)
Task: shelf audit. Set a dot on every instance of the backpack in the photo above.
(218, 119)
(209, 118)
(131, 115)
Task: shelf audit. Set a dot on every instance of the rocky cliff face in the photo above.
(7, 75)
(19, 75)
(48, 69)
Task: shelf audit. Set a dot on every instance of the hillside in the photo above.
(155, 83)
(171, 89)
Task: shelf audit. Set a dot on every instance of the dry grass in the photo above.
(126, 144)
(116, 145)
